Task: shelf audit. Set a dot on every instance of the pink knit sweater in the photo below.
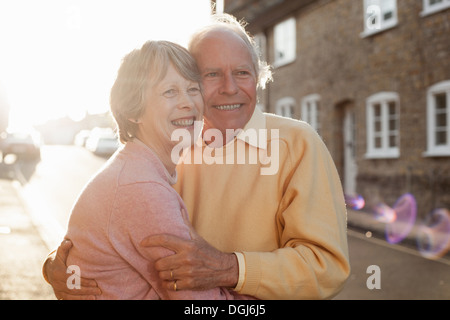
(128, 200)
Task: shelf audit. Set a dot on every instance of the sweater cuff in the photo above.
(241, 265)
(252, 273)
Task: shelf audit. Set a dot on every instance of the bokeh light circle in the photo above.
(433, 239)
(405, 217)
(355, 202)
(384, 213)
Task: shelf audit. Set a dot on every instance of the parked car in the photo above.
(102, 141)
(24, 145)
(81, 138)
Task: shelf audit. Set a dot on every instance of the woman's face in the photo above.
(173, 103)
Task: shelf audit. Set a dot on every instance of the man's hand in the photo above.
(55, 268)
(196, 265)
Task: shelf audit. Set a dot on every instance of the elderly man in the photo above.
(279, 235)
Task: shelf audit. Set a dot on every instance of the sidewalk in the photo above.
(22, 250)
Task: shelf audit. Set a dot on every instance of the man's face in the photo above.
(228, 78)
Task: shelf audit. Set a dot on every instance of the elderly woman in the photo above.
(156, 91)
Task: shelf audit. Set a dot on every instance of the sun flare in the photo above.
(61, 56)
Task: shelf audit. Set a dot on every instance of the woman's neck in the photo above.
(164, 153)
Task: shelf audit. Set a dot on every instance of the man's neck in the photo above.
(216, 138)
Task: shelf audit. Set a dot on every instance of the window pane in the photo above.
(441, 138)
(388, 5)
(285, 40)
(392, 108)
(392, 124)
(393, 140)
(441, 101)
(279, 42)
(260, 41)
(434, 1)
(441, 119)
(388, 15)
(377, 125)
(388, 8)
(280, 54)
(377, 110)
(378, 142)
(373, 22)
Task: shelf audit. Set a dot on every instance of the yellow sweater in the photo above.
(289, 226)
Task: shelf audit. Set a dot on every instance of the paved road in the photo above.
(403, 272)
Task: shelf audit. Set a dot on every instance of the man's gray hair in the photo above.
(227, 21)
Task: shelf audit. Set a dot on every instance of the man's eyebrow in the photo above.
(240, 67)
(210, 70)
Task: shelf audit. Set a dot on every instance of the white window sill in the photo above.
(367, 33)
(434, 9)
(436, 153)
(382, 155)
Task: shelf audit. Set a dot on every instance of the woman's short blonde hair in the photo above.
(140, 70)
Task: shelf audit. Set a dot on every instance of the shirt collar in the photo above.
(254, 129)
(251, 133)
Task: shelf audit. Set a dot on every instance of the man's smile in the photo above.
(228, 107)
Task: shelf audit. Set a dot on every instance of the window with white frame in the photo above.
(285, 42)
(438, 120)
(379, 15)
(382, 112)
(310, 110)
(285, 107)
(432, 6)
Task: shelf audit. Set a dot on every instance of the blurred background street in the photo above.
(372, 77)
